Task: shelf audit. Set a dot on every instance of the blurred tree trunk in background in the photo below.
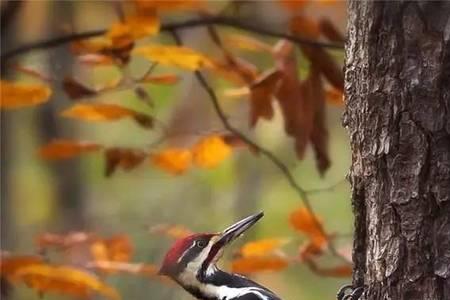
(9, 13)
(398, 117)
(66, 175)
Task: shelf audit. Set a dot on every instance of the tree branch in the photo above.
(169, 27)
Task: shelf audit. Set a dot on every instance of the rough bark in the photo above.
(398, 117)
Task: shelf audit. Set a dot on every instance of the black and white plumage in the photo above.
(191, 262)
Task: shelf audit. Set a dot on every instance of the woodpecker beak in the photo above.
(238, 228)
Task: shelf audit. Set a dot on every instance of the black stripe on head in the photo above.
(197, 246)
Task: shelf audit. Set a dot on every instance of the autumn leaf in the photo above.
(292, 5)
(124, 267)
(305, 222)
(210, 151)
(76, 90)
(173, 160)
(261, 93)
(100, 112)
(329, 30)
(18, 94)
(319, 134)
(182, 57)
(10, 264)
(161, 79)
(95, 59)
(90, 46)
(305, 26)
(253, 264)
(143, 23)
(309, 250)
(173, 231)
(117, 248)
(296, 106)
(126, 159)
(262, 247)
(236, 69)
(63, 149)
(335, 97)
(64, 280)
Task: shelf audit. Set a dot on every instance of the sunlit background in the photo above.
(43, 196)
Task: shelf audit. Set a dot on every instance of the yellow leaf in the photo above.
(252, 264)
(262, 247)
(173, 160)
(182, 57)
(17, 95)
(64, 280)
(210, 151)
(143, 24)
(63, 149)
(302, 220)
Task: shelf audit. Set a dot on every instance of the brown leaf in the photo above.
(295, 102)
(318, 56)
(335, 97)
(261, 93)
(64, 280)
(123, 158)
(253, 264)
(236, 70)
(319, 134)
(17, 94)
(63, 149)
(76, 90)
(329, 30)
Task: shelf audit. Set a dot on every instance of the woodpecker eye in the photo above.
(200, 243)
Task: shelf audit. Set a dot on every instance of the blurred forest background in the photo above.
(40, 196)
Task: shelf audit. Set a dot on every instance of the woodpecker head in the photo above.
(193, 258)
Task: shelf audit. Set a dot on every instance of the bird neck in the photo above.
(219, 285)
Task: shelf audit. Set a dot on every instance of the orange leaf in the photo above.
(173, 231)
(303, 221)
(18, 95)
(335, 97)
(252, 264)
(173, 160)
(89, 46)
(11, 264)
(262, 247)
(291, 5)
(123, 267)
(76, 90)
(210, 151)
(182, 57)
(117, 248)
(64, 280)
(306, 27)
(106, 112)
(126, 159)
(143, 23)
(63, 149)
(261, 93)
(339, 271)
(161, 79)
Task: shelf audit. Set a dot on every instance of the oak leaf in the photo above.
(177, 56)
(64, 280)
(173, 160)
(18, 94)
(210, 151)
(63, 149)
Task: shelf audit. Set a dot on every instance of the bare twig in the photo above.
(326, 189)
(169, 27)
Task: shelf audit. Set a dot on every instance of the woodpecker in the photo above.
(191, 262)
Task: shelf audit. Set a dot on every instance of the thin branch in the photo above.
(326, 189)
(169, 27)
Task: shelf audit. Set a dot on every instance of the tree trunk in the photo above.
(398, 117)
